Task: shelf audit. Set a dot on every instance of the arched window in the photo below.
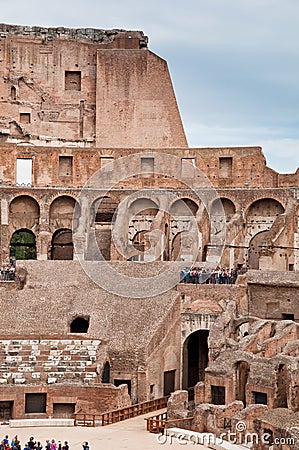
(106, 373)
(13, 93)
(23, 245)
(62, 245)
(79, 325)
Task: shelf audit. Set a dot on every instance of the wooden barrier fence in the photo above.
(158, 423)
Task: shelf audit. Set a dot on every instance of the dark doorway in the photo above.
(6, 411)
(35, 403)
(260, 398)
(242, 373)
(195, 358)
(62, 245)
(23, 245)
(119, 382)
(281, 393)
(218, 395)
(106, 373)
(169, 382)
(79, 325)
(64, 410)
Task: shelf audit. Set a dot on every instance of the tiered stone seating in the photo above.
(24, 361)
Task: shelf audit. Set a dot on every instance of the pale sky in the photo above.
(234, 63)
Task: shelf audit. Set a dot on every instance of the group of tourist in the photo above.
(7, 272)
(202, 275)
(14, 444)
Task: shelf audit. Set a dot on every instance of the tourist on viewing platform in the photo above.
(85, 446)
(65, 446)
(53, 445)
(48, 445)
(220, 275)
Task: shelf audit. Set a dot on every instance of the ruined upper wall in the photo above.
(85, 86)
(91, 34)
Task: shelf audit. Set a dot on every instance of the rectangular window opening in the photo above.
(287, 316)
(72, 80)
(35, 403)
(105, 161)
(65, 166)
(225, 167)
(260, 398)
(218, 395)
(25, 118)
(147, 165)
(24, 172)
(188, 167)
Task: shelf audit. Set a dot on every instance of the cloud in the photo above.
(234, 63)
(281, 153)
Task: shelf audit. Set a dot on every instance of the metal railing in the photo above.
(118, 415)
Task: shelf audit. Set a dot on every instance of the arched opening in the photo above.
(281, 400)
(143, 207)
(23, 245)
(266, 207)
(195, 358)
(242, 373)
(104, 209)
(184, 245)
(24, 212)
(13, 93)
(62, 212)
(103, 216)
(106, 373)
(79, 325)
(224, 206)
(183, 207)
(62, 245)
(256, 245)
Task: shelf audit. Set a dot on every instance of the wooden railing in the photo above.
(158, 423)
(118, 415)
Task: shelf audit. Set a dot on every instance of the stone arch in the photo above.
(24, 212)
(23, 245)
(103, 216)
(195, 358)
(143, 207)
(257, 244)
(62, 212)
(184, 246)
(62, 247)
(79, 324)
(224, 206)
(264, 207)
(183, 207)
(104, 209)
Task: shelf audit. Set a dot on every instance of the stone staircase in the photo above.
(34, 361)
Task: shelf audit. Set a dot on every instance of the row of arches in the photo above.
(23, 245)
(24, 214)
(104, 208)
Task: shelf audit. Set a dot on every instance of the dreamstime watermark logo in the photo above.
(143, 208)
(238, 437)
